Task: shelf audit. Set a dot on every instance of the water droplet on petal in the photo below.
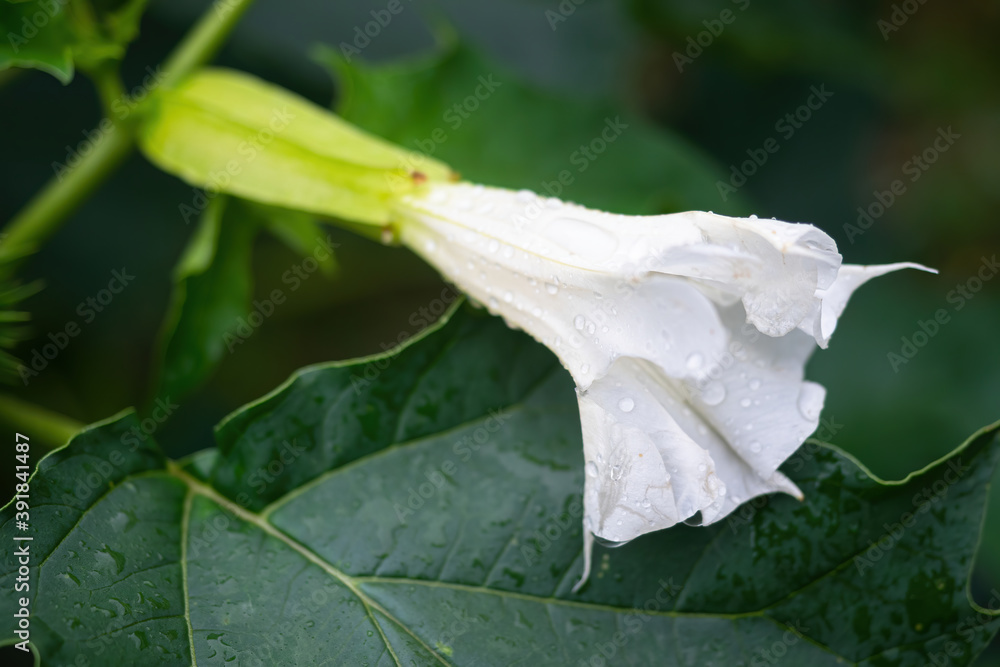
(694, 361)
(591, 468)
(616, 474)
(551, 289)
(755, 384)
(585, 369)
(579, 321)
(609, 544)
(811, 401)
(746, 402)
(493, 245)
(508, 297)
(713, 393)
(626, 404)
(755, 447)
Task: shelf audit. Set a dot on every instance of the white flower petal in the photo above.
(755, 397)
(833, 300)
(644, 472)
(587, 318)
(687, 336)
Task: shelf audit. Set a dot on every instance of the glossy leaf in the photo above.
(424, 508)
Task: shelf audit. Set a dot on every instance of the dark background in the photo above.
(890, 98)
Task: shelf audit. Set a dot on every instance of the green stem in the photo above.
(45, 428)
(109, 84)
(202, 42)
(50, 207)
(41, 217)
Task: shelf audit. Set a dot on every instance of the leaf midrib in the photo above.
(197, 487)
(353, 583)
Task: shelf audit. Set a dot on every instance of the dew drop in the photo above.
(494, 304)
(508, 297)
(429, 245)
(811, 401)
(585, 369)
(754, 384)
(626, 404)
(713, 393)
(579, 322)
(755, 447)
(591, 468)
(702, 467)
(694, 361)
(746, 402)
(551, 289)
(616, 474)
(609, 544)
(493, 245)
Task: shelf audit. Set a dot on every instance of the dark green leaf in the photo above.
(499, 131)
(213, 285)
(38, 37)
(212, 299)
(51, 35)
(424, 508)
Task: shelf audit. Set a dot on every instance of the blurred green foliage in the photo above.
(689, 127)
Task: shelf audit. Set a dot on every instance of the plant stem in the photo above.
(202, 42)
(45, 428)
(41, 217)
(50, 207)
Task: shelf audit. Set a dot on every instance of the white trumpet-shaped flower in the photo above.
(686, 334)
